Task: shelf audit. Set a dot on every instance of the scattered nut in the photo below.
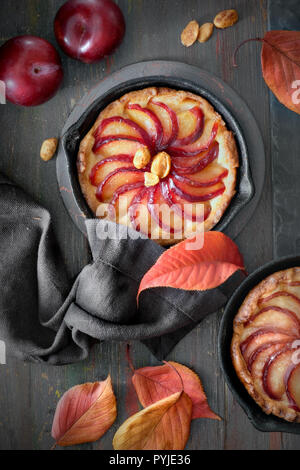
(161, 164)
(190, 33)
(141, 158)
(226, 18)
(48, 149)
(205, 32)
(150, 179)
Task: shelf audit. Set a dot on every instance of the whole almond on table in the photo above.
(190, 33)
(48, 149)
(226, 18)
(205, 32)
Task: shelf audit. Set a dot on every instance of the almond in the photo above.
(161, 164)
(205, 32)
(150, 179)
(48, 149)
(141, 158)
(226, 18)
(190, 33)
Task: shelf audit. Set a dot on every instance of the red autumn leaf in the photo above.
(164, 425)
(84, 413)
(198, 269)
(280, 59)
(154, 383)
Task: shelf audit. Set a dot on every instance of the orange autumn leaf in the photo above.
(198, 269)
(165, 425)
(154, 383)
(84, 413)
(280, 59)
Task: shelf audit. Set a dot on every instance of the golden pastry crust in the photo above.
(287, 281)
(228, 155)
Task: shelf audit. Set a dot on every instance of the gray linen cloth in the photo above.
(43, 318)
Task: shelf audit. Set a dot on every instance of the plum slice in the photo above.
(105, 166)
(202, 144)
(272, 315)
(275, 370)
(182, 207)
(99, 143)
(210, 176)
(138, 212)
(283, 299)
(194, 165)
(262, 332)
(255, 341)
(170, 125)
(146, 117)
(193, 194)
(259, 364)
(121, 146)
(115, 179)
(292, 385)
(159, 209)
(116, 125)
(131, 190)
(278, 346)
(191, 125)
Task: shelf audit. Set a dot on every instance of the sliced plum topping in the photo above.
(115, 179)
(283, 299)
(170, 131)
(113, 138)
(264, 331)
(275, 370)
(186, 166)
(158, 156)
(117, 125)
(105, 166)
(292, 385)
(191, 125)
(281, 317)
(146, 117)
(192, 194)
(199, 146)
(265, 337)
(138, 212)
(184, 208)
(203, 179)
(161, 213)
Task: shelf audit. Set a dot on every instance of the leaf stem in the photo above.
(129, 358)
(234, 62)
(179, 375)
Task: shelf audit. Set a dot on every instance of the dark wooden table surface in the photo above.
(29, 392)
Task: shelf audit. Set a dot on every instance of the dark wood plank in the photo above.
(29, 392)
(285, 166)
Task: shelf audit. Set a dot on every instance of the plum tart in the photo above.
(265, 348)
(154, 148)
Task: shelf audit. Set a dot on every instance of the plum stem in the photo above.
(240, 45)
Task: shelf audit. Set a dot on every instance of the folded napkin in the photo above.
(43, 318)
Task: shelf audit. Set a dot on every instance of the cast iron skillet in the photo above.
(258, 418)
(87, 114)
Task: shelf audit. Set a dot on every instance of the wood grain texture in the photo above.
(29, 392)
